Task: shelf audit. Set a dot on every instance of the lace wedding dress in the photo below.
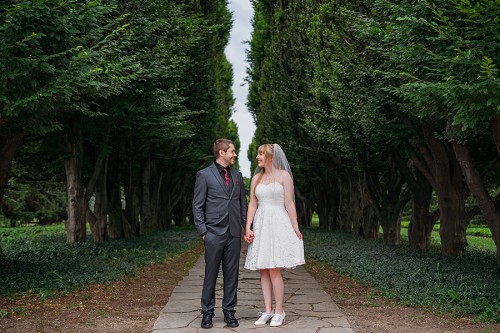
(275, 243)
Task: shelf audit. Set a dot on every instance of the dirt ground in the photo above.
(133, 304)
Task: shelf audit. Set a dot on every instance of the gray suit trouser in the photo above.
(223, 249)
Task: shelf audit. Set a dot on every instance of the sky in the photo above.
(235, 52)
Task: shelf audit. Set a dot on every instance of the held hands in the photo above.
(248, 236)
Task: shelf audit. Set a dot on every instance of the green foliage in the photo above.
(233, 135)
(34, 202)
(38, 261)
(359, 94)
(54, 53)
(457, 45)
(137, 88)
(251, 154)
(460, 286)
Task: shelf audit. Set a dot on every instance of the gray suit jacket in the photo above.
(213, 201)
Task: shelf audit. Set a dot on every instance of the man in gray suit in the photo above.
(219, 211)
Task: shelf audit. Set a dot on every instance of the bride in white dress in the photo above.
(272, 230)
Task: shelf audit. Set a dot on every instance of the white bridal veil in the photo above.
(279, 163)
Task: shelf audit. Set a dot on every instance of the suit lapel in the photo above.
(233, 176)
(219, 179)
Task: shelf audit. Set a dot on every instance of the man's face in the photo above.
(230, 155)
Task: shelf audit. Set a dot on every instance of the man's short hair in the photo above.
(221, 144)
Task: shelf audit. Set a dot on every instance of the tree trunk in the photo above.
(165, 212)
(146, 209)
(391, 226)
(350, 210)
(159, 211)
(98, 218)
(180, 215)
(177, 199)
(495, 127)
(451, 194)
(384, 192)
(77, 207)
(355, 209)
(116, 227)
(304, 214)
(180, 212)
(304, 210)
(369, 223)
(443, 173)
(391, 212)
(421, 223)
(132, 202)
(326, 199)
(453, 224)
(8, 147)
(116, 222)
(485, 202)
(327, 207)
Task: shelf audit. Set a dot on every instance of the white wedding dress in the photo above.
(275, 243)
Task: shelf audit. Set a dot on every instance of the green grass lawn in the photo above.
(459, 286)
(481, 243)
(478, 237)
(38, 261)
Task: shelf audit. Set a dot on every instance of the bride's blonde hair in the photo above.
(268, 150)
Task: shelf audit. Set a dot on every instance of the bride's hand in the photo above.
(298, 233)
(248, 236)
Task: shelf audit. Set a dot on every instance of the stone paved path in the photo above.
(309, 309)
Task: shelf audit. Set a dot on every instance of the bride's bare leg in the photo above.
(266, 285)
(278, 288)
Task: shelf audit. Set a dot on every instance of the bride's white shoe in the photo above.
(278, 319)
(264, 318)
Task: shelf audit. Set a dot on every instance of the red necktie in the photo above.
(226, 177)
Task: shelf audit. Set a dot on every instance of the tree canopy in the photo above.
(382, 104)
(124, 99)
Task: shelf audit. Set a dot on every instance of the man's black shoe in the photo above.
(206, 320)
(230, 319)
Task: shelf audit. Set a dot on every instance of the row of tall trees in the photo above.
(121, 100)
(380, 104)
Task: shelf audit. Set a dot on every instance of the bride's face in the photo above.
(263, 159)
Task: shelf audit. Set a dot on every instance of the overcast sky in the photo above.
(235, 52)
